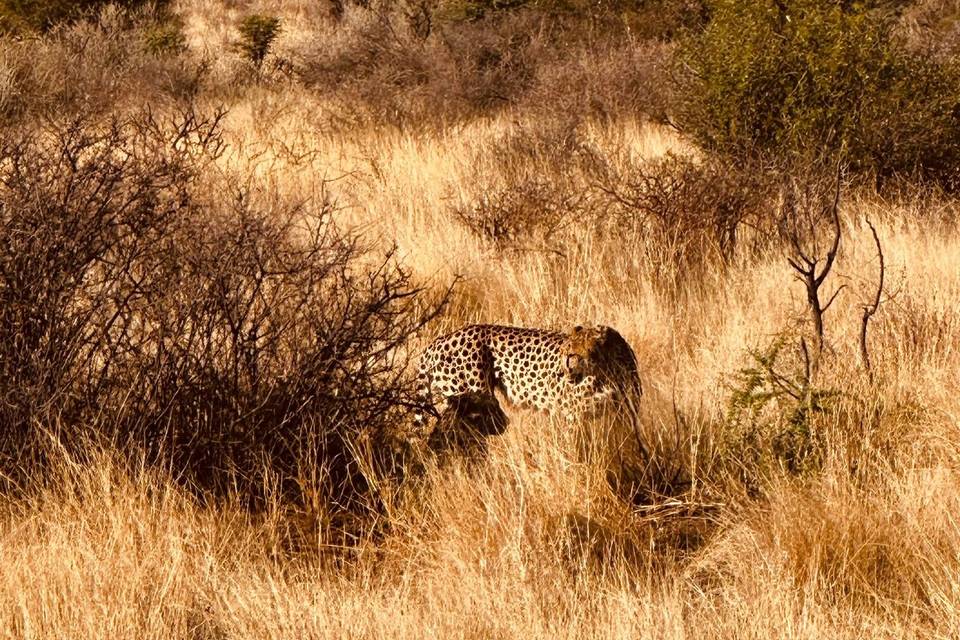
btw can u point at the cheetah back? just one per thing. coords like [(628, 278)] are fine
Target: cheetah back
[(529, 366), (524, 364)]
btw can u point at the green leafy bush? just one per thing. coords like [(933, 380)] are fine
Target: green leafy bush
[(817, 79), (257, 33)]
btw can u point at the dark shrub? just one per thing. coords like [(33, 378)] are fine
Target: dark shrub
[(80, 206), (226, 333), (476, 9), (811, 78), (379, 65), (610, 79), (660, 17), (40, 15), (384, 65)]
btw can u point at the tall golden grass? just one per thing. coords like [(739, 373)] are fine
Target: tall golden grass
[(532, 542)]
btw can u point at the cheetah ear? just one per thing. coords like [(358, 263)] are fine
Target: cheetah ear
[(605, 331), (577, 329)]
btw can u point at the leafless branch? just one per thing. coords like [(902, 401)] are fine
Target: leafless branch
[(870, 308)]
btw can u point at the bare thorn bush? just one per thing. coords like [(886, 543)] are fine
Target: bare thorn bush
[(687, 215), (525, 200), (236, 343)]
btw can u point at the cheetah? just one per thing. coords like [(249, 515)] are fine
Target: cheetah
[(569, 374)]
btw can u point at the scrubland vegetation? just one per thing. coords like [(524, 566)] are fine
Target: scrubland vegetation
[(227, 229)]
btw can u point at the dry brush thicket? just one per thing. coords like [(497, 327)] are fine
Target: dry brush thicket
[(217, 266)]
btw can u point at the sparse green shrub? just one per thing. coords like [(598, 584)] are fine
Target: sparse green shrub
[(165, 38), (772, 415), (257, 33), (817, 79)]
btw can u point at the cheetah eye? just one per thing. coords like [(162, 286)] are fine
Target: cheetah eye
[(574, 365)]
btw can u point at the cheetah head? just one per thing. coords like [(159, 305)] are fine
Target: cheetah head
[(602, 352)]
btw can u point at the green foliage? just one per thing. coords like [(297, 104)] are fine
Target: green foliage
[(24, 15), (165, 38), (771, 414), (257, 33), (21, 16), (816, 79)]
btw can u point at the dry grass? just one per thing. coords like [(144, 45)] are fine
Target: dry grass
[(532, 542)]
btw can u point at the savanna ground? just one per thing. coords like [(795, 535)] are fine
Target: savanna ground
[(541, 177)]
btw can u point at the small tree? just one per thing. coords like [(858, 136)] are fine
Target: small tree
[(771, 412), (775, 399), (257, 33), (809, 222)]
